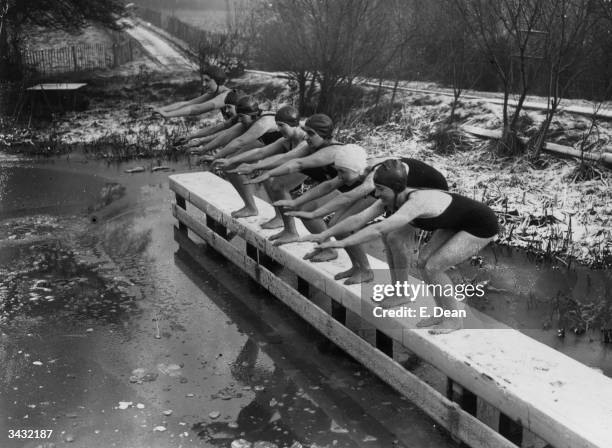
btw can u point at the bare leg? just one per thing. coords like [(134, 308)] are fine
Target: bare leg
[(275, 194), (360, 271), (246, 193), (438, 239), (397, 244), (278, 189), (396, 247), (457, 248), (317, 226)]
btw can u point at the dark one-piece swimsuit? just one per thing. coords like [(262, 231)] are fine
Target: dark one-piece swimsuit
[(422, 175), (271, 136), (464, 214), (322, 173)]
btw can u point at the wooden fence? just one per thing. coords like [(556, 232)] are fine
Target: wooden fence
[(78, 58), (191, 35)]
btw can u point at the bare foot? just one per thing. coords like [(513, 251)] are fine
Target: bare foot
[(448, 326), (274, 223), (360, 276), (394, 301), (345, 274), (319, 256), (429, 321), (284, 237), (244, 212)]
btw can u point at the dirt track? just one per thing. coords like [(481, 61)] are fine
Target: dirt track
[(159, 49)]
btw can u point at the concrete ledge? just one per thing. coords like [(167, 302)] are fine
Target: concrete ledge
[(562, 401)]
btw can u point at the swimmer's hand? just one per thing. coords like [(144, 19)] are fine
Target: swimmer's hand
[(300, 214), (314, 237), (259, 179), (330, 245), (221, 163), (285, 203), (205, 159), (243, 168)]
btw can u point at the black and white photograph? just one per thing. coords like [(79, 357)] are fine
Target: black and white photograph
[(305, 224)]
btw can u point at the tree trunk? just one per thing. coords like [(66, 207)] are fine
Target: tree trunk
[(536, 144), (325, 101), (4, 51), (311, 88), (301, 80), (394, 90), (378, 92), (510, 144)]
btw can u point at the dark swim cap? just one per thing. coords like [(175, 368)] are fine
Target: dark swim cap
[(288, 115), (321, 124), (392, 173), (233, 96), (216, 73), (247, 105)]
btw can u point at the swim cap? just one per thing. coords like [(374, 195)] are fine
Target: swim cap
[(288, 115), (392, 173), (352, 157), (233, 96), (321, 124), (247, 105), (216, 73)]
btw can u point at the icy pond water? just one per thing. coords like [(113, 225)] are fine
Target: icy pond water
[(112, 336)]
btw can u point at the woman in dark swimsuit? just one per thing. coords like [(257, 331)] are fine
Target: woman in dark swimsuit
[(461, 228), (196, 141), (291, 135), (352, 167), (213, 79), (258, 128), (359, 196), (315, 159)]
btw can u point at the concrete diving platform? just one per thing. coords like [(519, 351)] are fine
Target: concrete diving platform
[(504, 389)]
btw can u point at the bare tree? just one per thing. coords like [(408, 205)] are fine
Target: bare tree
[(283, 47), (504, 30), (567, 26), (605, 7), (336, 39), (448, 53), (407, 28)]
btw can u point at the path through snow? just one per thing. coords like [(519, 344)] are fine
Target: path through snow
[(158, 48)]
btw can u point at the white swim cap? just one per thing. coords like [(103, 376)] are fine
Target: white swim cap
[(352, 157)]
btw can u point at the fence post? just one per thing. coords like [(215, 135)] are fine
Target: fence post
[(74, 59)]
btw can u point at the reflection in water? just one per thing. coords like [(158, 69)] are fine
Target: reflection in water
[(280, 412)]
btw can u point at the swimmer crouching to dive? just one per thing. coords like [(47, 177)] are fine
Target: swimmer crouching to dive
[(359, 199), (213, 81), (461, 228)]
